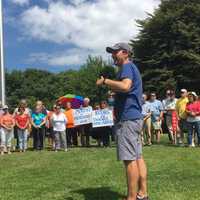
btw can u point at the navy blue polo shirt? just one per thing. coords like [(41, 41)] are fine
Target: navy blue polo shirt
[(128, 106)]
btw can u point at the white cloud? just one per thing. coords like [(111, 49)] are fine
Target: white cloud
[(21, 2), (89, 26), (69, 57)]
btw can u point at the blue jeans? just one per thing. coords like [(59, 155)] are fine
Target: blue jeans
[(23, 138), (193, 126)]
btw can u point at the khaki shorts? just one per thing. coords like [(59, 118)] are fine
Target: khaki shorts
[(157, 125)]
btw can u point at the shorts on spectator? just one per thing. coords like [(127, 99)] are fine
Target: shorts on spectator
[(157, 125)]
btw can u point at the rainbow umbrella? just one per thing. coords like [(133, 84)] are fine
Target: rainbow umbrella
[(75, 100)]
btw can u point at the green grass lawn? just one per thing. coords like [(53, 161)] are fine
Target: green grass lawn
[(94, 174)]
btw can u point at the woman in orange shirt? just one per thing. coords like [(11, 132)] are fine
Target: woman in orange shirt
[(7, 122), (71, 131)]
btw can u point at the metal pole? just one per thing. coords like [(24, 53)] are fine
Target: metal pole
[(2, 71)]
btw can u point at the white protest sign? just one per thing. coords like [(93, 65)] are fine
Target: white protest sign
[(101, 118), (82, 116)]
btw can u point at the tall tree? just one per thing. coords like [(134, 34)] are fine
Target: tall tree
[(93, 69), (167, 48)]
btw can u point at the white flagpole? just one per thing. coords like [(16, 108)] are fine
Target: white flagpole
[(2, 71)]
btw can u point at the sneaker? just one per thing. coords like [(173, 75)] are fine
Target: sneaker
[(9, 152), (65, 150), (2, 152), (142, 198)]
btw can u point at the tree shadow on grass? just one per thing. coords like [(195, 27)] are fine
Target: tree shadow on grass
[(103, 193)]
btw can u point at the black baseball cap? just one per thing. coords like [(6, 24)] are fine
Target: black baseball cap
[(119, 46)]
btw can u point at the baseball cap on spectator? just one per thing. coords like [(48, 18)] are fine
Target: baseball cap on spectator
[(183, 90), (153, 94), (192, 93), (5, 107), (119, 46)]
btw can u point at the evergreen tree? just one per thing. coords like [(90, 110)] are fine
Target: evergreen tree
[(167, 48)]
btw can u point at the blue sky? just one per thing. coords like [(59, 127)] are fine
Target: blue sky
[(57, 35)]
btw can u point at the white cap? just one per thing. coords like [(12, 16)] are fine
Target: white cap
[(193, 93), (5, 107), (183, 90)]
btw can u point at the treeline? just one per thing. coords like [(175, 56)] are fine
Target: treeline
[(35, 84), (167, 51)]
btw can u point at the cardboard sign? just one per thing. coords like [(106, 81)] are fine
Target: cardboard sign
[(82, 116), (102, 118)]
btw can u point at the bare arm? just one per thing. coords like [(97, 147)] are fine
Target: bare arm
[(161, 115), (118, 86), (17, 124), (27, 123), (32, 122), (147, 117), (13, 123), (43, 122), (4, 125)]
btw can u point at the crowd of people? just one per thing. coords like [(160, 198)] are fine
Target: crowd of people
[(175, 116), (179, 116), (57, 125)]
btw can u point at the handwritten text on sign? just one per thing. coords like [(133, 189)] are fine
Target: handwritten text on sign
[(83, 116), (101, 118)]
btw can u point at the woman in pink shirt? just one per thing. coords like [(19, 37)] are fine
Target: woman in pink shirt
[(193, 117)]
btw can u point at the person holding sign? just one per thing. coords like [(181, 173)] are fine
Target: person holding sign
[(86, 128), (128, 113), (105, 131)]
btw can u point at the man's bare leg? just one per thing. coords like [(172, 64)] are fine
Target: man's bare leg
[(132, 174), (142, 190)]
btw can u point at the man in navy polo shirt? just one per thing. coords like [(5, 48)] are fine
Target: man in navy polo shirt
[(129, 122)]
